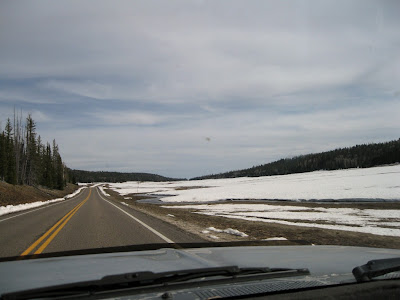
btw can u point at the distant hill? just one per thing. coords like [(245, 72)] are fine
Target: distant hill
[(101, 176), (359, 156)]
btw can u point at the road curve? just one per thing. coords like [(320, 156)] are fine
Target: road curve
[(86, 221)]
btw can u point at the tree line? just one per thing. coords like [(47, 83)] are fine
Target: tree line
[(359, 156), (101, 176), (25, 159)]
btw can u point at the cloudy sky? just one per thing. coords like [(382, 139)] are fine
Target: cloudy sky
[(188, 88)]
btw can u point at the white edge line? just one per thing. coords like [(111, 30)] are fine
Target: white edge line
[(41, 207), (140, 222)]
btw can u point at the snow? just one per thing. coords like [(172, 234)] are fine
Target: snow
[(72, 195), (379, 183), (372, 184), (228, 231), (278, 238), (15, 208), (101, 188), (375, 221)]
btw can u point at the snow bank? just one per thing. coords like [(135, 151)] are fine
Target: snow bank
[(379, 183), (102, 190), (278, 238), (14, 208), (228, 231), (73, 194)]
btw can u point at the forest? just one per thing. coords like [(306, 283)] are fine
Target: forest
[(359, 156), (25, 159), (101, 176)]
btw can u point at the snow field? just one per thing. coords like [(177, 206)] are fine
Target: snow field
[(372, 184), (379, 183)]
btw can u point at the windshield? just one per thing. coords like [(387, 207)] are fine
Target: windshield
[(151, 123)]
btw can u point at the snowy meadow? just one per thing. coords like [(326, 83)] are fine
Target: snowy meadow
[(372, 184), (209, 197)]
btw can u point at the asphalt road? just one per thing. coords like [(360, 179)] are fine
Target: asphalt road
[(86, 221)]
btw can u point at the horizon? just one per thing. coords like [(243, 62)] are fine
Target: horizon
[(187, 89), (262, 164)]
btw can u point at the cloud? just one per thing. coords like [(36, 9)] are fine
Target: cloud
[(128, 118), (262, 79), (181, 150), (86, 88), (212, 52)]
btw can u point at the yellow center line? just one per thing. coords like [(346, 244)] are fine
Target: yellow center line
[(63, 221)]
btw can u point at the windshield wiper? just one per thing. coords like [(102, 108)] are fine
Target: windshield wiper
[(375, 268), (143, 279)]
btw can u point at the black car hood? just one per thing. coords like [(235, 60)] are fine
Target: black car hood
[(322, 261)]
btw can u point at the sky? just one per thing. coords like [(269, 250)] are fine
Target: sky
[(190, 88)]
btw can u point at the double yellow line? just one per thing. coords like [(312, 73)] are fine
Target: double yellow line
[(53, 230)]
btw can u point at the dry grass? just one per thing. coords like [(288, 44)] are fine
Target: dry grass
[(19, 194)]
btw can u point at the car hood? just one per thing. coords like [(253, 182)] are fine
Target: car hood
[(322, 261)]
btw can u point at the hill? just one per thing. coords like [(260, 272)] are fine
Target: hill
[(20, 194), (102, 176), (359, 156)]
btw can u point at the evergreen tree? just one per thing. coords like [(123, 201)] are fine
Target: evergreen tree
[(10, 174), (25, 160), (3, 164), (57, 167), (47, 177), (31, 154)]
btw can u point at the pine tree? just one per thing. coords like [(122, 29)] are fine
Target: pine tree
[(47, 176), (40, 151), (25, 160), (3, 165), (18, 145), (57, 167), (10, 175), (31, 154)]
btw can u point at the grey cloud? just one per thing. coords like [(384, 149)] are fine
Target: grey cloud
[(201, 53), (259, 77)]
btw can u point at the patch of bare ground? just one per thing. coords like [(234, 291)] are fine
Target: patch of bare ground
[(135, 197), (181, 188), (358, 205), (196, 223), (321, 222), (20, 194)]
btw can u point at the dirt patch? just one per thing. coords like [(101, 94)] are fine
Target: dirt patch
[(20, 194), (182, 188), (135, 197), (358, 205), (197, 223), (320, 222)]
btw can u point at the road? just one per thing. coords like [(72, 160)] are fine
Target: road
[(86, 221)]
